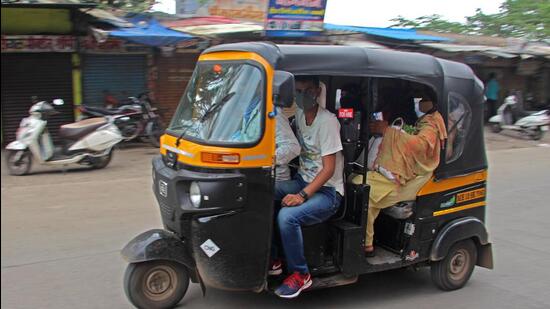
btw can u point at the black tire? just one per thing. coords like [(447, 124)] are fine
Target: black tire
[(495, 127), (102, 162), (19, 162), (455, 269), (155, 130), (155, 284), (537, 134)]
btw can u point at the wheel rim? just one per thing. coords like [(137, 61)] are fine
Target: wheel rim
[(160, 283), (458, 266), (19, 166)]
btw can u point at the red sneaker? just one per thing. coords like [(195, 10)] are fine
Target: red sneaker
[(293, 285)]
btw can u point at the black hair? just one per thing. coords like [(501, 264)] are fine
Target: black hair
[(308, 78), (492, 75)]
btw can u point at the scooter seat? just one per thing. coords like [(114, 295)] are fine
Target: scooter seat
[(103, 111), (76, 130)]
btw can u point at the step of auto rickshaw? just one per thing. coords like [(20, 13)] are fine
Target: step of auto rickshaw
[(319, 282), (384, 256)]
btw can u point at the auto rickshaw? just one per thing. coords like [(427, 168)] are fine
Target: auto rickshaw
[(214, 177)]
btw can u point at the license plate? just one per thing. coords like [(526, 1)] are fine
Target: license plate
[(545, 128)]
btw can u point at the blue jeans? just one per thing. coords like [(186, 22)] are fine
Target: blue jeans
[(318, 208)]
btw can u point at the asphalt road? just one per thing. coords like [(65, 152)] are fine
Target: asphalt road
[(62, 232)]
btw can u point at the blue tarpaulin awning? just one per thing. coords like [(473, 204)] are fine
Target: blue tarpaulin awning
[(149, 32), (392, 33)]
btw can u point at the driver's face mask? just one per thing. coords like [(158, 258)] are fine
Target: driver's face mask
[(305, 101)]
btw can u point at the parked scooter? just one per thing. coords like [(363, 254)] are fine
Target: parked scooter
[(511, 116), (88, 142), (135, 119)]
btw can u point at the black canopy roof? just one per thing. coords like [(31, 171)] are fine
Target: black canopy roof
[(352, 61)]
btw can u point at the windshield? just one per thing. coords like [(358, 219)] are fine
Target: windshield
[(223, 103)]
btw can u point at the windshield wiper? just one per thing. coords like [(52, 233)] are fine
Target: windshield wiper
[(178, 140), (216, 106), (210, 111)]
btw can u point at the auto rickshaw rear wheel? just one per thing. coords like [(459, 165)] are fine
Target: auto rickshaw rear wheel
[(455, 269), (155, 284)]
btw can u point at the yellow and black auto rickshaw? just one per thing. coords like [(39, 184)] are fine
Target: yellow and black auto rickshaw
[(214, 177)]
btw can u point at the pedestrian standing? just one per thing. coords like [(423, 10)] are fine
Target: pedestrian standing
[(491, 92)]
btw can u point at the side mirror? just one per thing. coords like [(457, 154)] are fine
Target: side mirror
[(283, 89), (58, 102)]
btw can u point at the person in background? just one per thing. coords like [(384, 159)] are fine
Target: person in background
[(287, 146), (491, 92)]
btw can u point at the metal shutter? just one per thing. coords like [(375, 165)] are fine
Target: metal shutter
[(45, 75), (121, 75), (173, 75)]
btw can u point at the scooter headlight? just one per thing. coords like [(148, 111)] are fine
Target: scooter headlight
[(195, 194)]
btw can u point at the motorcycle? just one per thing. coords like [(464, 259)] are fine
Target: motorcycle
[(87, 142), (135, 119), (511, 116)]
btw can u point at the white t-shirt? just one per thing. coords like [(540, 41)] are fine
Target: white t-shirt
[(287, 146), (320, 139)]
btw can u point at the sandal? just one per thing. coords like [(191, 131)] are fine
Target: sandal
[(369, 253)]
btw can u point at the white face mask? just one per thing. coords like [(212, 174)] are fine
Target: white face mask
[(417, 107)]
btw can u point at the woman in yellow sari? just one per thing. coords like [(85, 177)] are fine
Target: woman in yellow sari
[(411, 159)]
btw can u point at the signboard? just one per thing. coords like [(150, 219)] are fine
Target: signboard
[(38, 43), (244, 10), (89, 44), (295, 18), (345, 113)]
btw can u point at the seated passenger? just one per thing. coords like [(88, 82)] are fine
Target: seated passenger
[(411, 158), (287, 146), (314, 195)]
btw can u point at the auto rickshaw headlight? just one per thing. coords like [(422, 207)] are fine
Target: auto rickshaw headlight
[(195, 194)]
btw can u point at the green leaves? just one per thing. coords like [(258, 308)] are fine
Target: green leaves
[(528, 19)]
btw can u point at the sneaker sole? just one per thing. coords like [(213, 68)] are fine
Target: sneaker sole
[(275, 272), (306, 286)]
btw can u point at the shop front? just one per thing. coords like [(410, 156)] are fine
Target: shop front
[(36, 67)]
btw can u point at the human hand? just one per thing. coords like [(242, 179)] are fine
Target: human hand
[(378, 126), (291, 200)]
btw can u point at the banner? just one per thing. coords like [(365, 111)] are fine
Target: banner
[(38, 43), (295, 18), (89, 44), (244, 10)]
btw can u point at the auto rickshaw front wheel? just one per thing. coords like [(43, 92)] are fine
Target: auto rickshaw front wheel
[(455, 269), (155, 284)]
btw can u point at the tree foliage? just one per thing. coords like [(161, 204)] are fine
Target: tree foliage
[(131, 6), (516, 18)]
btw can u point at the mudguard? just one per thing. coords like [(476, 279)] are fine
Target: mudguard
[(157, 245), (461, 229), (495, 119), (16, 145)]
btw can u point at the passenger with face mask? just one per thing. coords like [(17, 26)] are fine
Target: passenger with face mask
[(411, 158), (314, 195)]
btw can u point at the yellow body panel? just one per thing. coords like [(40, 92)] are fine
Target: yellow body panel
[(450, 183), (261, 155)]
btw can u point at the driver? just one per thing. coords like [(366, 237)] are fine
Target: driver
[(314, 195)]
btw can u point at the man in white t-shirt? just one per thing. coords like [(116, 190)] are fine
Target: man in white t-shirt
[(314, 195)]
